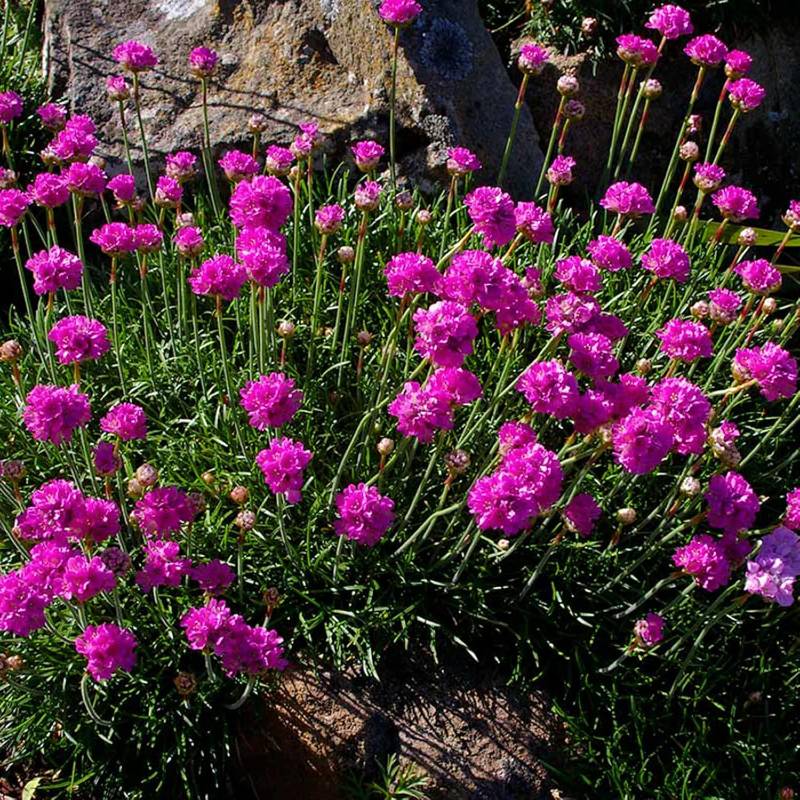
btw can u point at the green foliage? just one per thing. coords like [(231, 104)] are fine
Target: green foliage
[(395, 780)]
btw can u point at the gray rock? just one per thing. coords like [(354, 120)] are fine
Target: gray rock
[(295, 60)]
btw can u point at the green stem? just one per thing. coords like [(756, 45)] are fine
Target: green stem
[(513, 132)]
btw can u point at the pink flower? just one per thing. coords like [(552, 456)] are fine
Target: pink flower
[(791, 519), (126, 421), (52, 116), (445, 333), (78, 339), (534, 223), (107, 648), (169, 192), (82, 578), (238, 165), (772, 573), (279, 160), (723, 306), (48, 190), (581, 513), (189, 241), (420, 412), (148, 238), (205, 626), (364, 514), (85, 180), (203, 62), (549, 388), (560, 172), (706, 51), (220, 276), (329, 219), (367, 195), (461, 161), (759, 276), (459, 386), (262, 202), (55, 513), (117, 88), (105, 459), (746, 95), (77, 141), (213, 577), (685, 408), (100, 520), (650, 630), (270, 401), (532, 59), (773, 369), (411, 274), (492, 213), (704, 559), (114, 239), (736, 204), (52, 413), (54, 269), (593, 355), (667, 259), (22, 605), (641, 439), (737, 64), (162, 511), (627, 199), (399, 12), (570, 312), (10, 107), (123, 187), (181, 166), (513, 434), (708, 177), (609, 253), (732, 503), (282, 464), (163, 566), (578, 275), (791, 218), (636, 51), (13, 205), (685, 340), (135, 56), (263, 255), (670, 21), (367, 154)]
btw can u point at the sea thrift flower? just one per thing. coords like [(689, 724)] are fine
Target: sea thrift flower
[(732, 503), (723, 306), (55, 513), (263, 255), (534, 223), (461, 162), (593, 355), (52, 116), (560, 171), (54, 269), (189, 241), (48, 190), (737, 64), (220, 276), (105, 459), (771, 367), (279, 160), (459, 386), (329, 219), (364, 514), (79, 339), (148, 238), (10, 107), (513, 434), (791, 519), (85, 180), (114, 239), (773, 571), (367, 195), (636, 51), (578, 274), (22, 605), (627, 199), (708, 177), (670, 21), (667, 259), (570, 312), (411, 274), (549, 388), (492, 213), (608, 253), (123, 187), (213, 577), (117, 88), (205, 626), (706, 51), (704, 559), (238, 165), (685, 408), (163, 566), (685, 340), (649, 631), (532, 59), (107, 648), (367, 154), (82, 578), (445, 333), (262, 202), (77, 141), (13, 205), (581, 513), (270, 401), (282, 464), (168, 192), (746, 95), (52, 413), (736, 204), (203, 62), (249, 650), (421, 412), (641, 439), (759, 276), (399, 12), (162, 511), (181, 166), (135, 56), (126, 421)]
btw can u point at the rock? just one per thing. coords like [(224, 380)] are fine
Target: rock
[(292, 61), (473, 738)]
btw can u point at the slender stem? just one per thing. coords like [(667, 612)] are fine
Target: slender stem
[(513, 132), (208, 161), (392, 111), (727, 136), (145, 153), (551, 145), (717, 114)]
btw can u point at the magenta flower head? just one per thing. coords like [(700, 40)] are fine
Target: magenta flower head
[(771, 367), (126, 421), (367, 195), (723, 306), (163, 565), (10, 107), (578, 275), (181, 166), (107, 648), (162, 511), (169, 192), (48, 190), (732, 503), (791, 519), (82, 578), (263, 255), (759, 276), (667, 259), (705, 560), (706, 51), (123, 187), (445, 333), (513, 434), (581, 513), (135, 56), (628, 199), (461, 162), (685, 408), (79, 339), (492, 213), (105, 459), (772, 573), (459, 386), (549, 388), (791, 218), (203, 62), (13, 205), (685, 340), (77, 141), (85, 179), (670, 21), (608, 253), (238, 165), (593, 355), (270, 401), (570, 312), (746, 95), (329, 219), (114, 239), (399, 12), (420, 411), (282, 464), (636, 51), (279, 160), (708, 177), (149, 238), (411, 274), (641, 440), (737, 64), (52, 413), (649, 631), (22, 604), (54, 269), (367, 154), (364, 514), (213, 577), (532, 59), (219, 276), (736, 204), (534, 223), (117, 88), (189, 241), (262, 202), (560, 172), (52, 116)]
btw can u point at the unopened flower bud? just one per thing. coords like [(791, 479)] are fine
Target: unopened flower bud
[(690, 487), (700, 309), (13, 470), (747, 237), (185, 683), (117, 560), (626, 516), (10, 351), (644, 366), (196, 502), (778, 325), (680, 214), (245, 520), (589, 26), (503, 544), (98, 161), (652, 89), (239, 495), (294, 172), (346, 255), (404, 200), (568, 85), (605, 434), (689, 151), (385, 446), (769, 305), (8, 178), (15, 663), (363, 338), (457, 462), (574, 109), (424, 216), (695, 124), (208, 478), (147, 475), (272, 599), (786, 793), (135, 489), (257, 123), (185, 219)]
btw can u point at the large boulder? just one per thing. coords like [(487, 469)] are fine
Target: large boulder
[(295, 60)]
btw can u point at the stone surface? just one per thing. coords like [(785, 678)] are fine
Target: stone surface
[(472, 737), (294, 60)]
